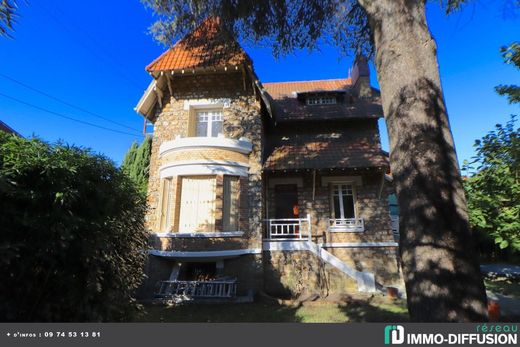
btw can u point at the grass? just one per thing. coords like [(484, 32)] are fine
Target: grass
[(375, 309), (369, 309)]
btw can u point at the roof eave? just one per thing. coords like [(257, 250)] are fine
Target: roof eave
[(147, 102)]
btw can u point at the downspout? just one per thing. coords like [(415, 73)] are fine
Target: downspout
[(382, 184), (313, 184)]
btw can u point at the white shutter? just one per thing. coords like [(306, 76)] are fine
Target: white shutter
[(230, 205), (197, 204)]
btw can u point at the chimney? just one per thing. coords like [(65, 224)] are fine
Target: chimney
[(361, 77)]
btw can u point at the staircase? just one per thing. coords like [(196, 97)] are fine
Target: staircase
[(365, 280)]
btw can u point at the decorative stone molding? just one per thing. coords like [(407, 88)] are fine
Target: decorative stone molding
[(242, 145), (206, 103), (203, 167), (208, 254)]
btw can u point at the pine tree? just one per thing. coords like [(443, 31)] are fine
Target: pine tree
[(129, 158), (136, 163), (141, 168)]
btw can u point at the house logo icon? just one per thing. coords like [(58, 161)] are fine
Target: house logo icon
[(394, 334)]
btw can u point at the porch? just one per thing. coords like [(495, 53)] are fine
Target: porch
[(328, 206), (300, 229)]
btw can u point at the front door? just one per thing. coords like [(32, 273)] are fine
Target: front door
[(286, 201)]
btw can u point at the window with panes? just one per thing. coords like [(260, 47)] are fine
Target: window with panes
[(343, 201), (209, 123)]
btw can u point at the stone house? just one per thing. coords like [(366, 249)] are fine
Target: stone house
[(274, 187)]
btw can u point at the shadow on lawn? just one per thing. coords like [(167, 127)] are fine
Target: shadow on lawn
[(376, 309)]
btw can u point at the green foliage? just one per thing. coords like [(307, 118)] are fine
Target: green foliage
[(8, 9), (511, 55), (281, 25), (72, 234), (493, 187), (136, 163)]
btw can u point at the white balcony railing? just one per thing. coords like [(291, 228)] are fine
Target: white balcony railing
[(198, 289), (289, 228), (347, 224)]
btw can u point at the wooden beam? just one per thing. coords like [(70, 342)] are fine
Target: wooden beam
[(244, 78), (169, 85), (160, 94)]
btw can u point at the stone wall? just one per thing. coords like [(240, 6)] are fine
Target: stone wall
[(381, 261), (248, 270), (290, 274), (241, 118), (369, 205)]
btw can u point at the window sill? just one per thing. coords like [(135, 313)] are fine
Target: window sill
[(202, 235), (346, 230)]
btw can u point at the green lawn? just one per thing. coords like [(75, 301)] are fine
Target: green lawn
[(376, 309), (369, 309)]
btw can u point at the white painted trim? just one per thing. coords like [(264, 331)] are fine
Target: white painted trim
[(365, 280), (206, 103), (203, 167), (358, 244), (243, 145), (356, 180), (345, 230), (147, 101), (286, 180), (202, 234), (205, 254)]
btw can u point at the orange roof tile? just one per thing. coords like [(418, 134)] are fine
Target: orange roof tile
[(207, 46), (279, 90)]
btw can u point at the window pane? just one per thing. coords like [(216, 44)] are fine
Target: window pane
[(202, 128), (337, 211), (348, 206), (216, 128)]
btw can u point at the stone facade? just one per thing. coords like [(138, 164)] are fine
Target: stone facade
[(245, 119), (290, 274), (314, 199)]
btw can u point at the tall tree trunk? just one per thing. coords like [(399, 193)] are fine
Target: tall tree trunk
[(440, 265)]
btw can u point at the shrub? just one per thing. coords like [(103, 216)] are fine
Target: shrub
[(72, 234)]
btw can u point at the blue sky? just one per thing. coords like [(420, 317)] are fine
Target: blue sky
[(92, 54)]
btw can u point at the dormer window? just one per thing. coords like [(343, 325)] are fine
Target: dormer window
[(321, 100), (209, 123)]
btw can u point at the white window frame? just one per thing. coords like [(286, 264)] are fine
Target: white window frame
[(340, 198), (210, 114), (351, 224)]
